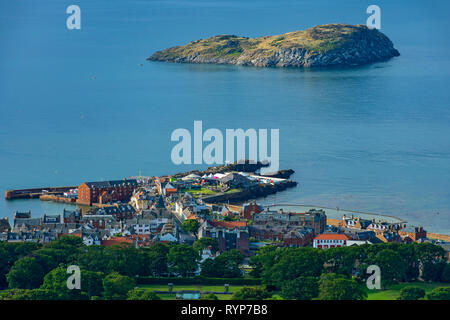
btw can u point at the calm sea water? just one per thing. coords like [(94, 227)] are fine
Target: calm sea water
[(77, 105)]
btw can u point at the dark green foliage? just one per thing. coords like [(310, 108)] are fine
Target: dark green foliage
[(337, 287), (26, 273), (392, 267), (209, 296), (411, 293), (200, 280), (248, 293), (141, 294), (190, 225), (56, 282), (182, 259), (445, 276), (433, 270), (27, 294), (302, 288), (92, 283), (291, 263), (10, 253), (205, 242), (226, 265), (442, 293), (117, 286)]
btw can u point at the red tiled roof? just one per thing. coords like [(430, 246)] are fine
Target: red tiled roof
[(230, 224), (116, 240), (70, 234), (331, 236)]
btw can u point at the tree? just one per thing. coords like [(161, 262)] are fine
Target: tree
[(249, 293), (445, 276), (117, 286), (337, 287), (190, 225), (302, 288), (26, 273), (27, 294), (263, 260), (157, 259), (206, 242), (182, 259), (433, 270), (126, 260), (141, 294), (56, 282), (10, 253), (94, 258), (225, 265), (92, 283), (292, 263), (392, 268), (442, 293), (411, 293), (209, 296)]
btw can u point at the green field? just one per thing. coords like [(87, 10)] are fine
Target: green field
[(393, 292), (389, 294), (199, 192), (159, 287)]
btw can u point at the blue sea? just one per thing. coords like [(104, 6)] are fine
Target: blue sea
[(85, 105)]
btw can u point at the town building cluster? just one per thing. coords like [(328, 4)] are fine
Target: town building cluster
[(142, 211)]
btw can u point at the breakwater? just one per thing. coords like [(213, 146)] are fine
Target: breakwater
[(56, 198), (259, 191), (35, 192)]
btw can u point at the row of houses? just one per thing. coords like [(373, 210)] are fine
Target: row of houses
[(385, 231)]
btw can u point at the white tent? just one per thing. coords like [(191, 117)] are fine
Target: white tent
[(191, 176)]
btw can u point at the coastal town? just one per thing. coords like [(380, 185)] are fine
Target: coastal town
[(141, 211), (205, 235)]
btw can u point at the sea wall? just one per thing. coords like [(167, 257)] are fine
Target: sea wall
[(259, 191)]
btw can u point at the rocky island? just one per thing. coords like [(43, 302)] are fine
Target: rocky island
[(320, 46)]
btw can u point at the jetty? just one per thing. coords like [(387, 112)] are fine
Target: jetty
[(36, 192)]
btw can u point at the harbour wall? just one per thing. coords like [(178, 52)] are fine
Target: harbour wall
[(35, 192)]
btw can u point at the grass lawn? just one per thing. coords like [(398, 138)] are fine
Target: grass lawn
[(233, 190), (393, 292), (198, 192), (159, 287)]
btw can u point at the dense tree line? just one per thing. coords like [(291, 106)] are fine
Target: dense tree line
[(35, 271), (340, 273)]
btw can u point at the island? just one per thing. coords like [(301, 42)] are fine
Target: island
[(321, 46)]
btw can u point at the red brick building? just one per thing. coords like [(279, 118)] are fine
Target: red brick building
[(414, 233), (118, 190), (248, 210), (230, 234)]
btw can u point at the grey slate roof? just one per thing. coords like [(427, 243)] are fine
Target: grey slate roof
[(112, 183)]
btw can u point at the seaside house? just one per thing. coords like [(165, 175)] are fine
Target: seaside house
[(330, 240)]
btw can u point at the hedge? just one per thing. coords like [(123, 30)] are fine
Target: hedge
[(199, 280)]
